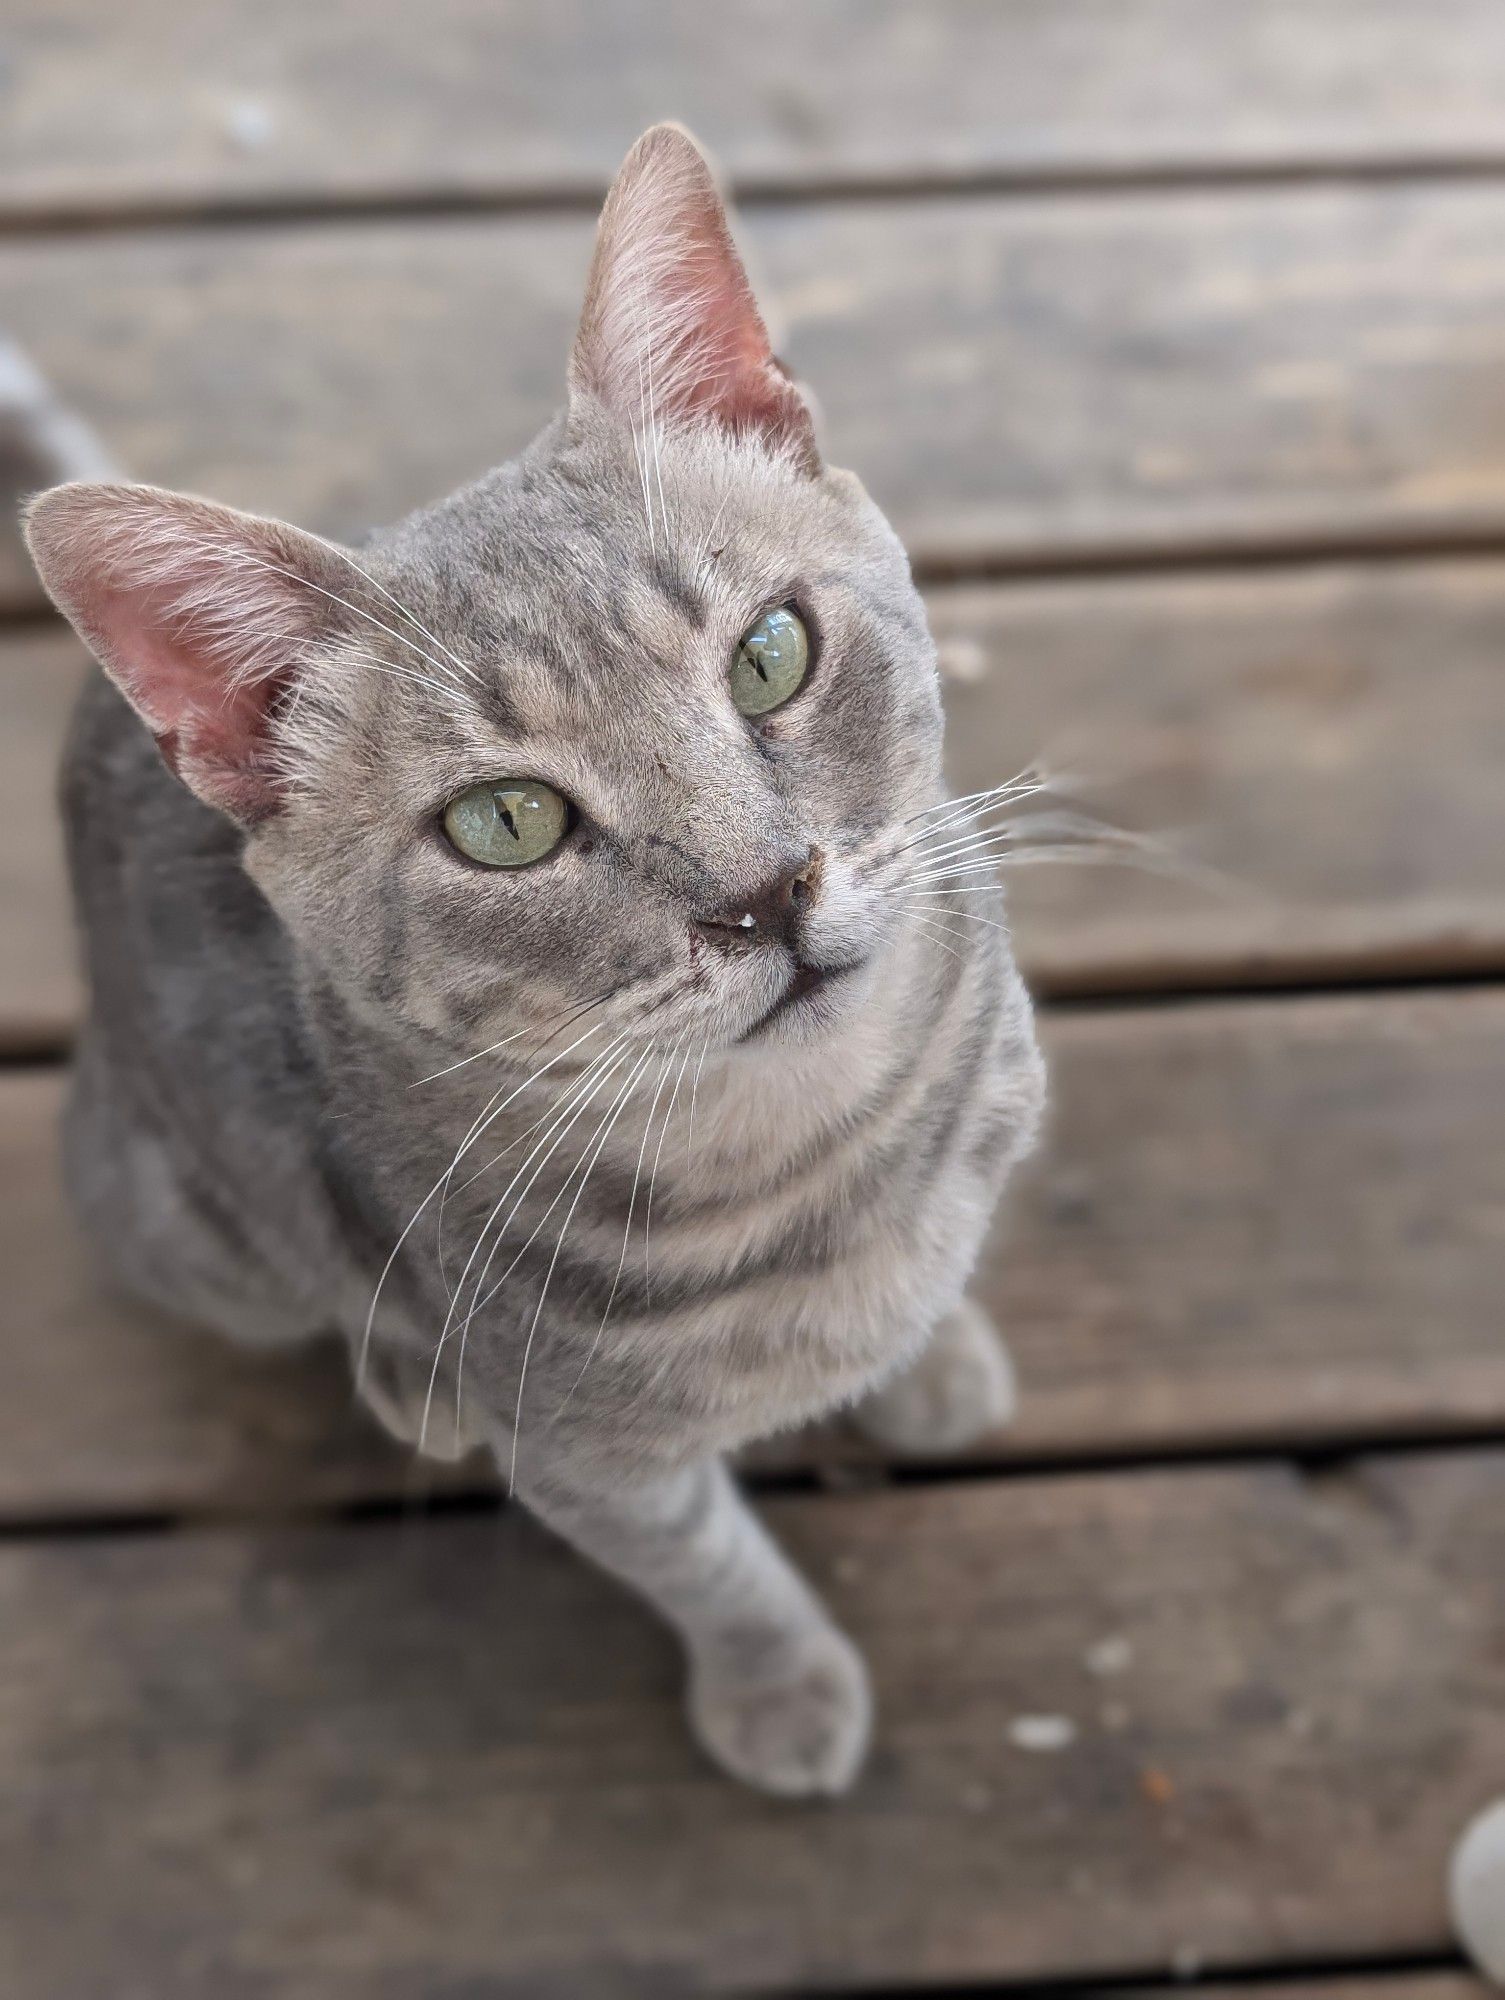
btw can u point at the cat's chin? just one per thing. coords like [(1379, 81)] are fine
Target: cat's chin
[(816, 1000)]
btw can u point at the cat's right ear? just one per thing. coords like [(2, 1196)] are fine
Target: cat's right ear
[(671, 334), (202, 617)]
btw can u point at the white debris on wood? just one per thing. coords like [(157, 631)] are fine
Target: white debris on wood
[(249, 124), (1477, 1890), (1042, 1733), (1187, 1962), (1113, 1655)]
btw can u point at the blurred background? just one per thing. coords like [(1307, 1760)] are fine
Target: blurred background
[(1171, 333)]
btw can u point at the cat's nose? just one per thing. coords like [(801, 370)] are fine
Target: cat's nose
[(771, 916)]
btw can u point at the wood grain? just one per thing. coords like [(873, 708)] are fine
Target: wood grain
[(266, 101), (40, 672), (1020, 382), (1328, 740), (425, 1759), (1251, 1225)]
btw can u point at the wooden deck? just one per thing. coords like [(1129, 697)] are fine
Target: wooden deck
[(1172, 334)]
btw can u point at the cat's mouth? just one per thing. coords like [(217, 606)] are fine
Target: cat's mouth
[(808, 985)]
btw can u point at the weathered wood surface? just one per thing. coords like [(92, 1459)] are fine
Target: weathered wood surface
[(284, 103), (1330, 741), (1018, 381), (39, 994), (418, 1759), (1253, 1224)]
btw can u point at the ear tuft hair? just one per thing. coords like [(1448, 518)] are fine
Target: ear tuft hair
[(671, 333), (201, 616)]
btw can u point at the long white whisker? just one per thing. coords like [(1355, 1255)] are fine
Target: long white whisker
[(445, 689), (398, 605), (507, 1041), (1031, 775), (242, 556), (645, 420), (930, 896), (935, 939), (1018, 836), (704, 552), (577, 1098), (632, 1202), (603, 1133), (1010, 794), (705, 1049), (478, 1303), (657, 1156), (1009, 829), (480, 1125)]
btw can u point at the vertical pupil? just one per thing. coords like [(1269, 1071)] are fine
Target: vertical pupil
[(505, 813)]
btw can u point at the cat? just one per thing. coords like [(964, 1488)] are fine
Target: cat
[(539, 945)]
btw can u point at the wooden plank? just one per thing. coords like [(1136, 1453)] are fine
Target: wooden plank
[(1020, 382), (1378, 1985), (1331, 740), (1252, 1224), (264, 101), (40, 672), (426, 1759), (1327, 741)]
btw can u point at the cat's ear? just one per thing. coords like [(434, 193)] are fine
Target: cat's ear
[(202, 617), (671, 333)]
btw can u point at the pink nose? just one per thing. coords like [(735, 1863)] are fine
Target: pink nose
[(772, 914)]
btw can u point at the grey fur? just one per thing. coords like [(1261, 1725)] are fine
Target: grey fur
[(248, 1136)]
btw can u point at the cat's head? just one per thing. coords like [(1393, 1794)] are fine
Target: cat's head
[(634, 722)]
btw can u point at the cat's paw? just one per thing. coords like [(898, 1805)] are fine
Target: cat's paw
[(797, 1726), (961, 1388)]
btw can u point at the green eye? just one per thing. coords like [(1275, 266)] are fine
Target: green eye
[(507, 823), (770, 663)]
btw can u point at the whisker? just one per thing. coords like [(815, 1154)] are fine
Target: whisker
[(398, 605), (603, 1133), (657, 1156), (243, 556), (480, 1125), (507, 1040), (971, 916), (1013, 793), (445, 689), (704, 554), (577, 1101), (1008, 829), (478, 1303), (705, 1049), (632, 1200), (934, 939), (1031, 774)]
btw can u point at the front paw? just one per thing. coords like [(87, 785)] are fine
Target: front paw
[(794, 1722), (960, 1389)]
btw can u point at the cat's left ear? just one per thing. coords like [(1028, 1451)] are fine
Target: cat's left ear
[(671, 333), (203, 617)]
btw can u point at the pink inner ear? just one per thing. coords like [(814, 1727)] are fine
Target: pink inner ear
[(210, 726), (737, 382), (671, 331)]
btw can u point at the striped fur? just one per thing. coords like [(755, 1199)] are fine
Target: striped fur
[(521, 1136)]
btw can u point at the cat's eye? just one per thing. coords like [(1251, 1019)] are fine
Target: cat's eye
[(507, 822), (771, 662)]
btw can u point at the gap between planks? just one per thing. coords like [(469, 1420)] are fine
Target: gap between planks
[(234, 210)]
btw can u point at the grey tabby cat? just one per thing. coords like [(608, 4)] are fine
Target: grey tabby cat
[(553, 891)]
